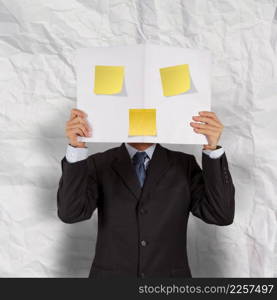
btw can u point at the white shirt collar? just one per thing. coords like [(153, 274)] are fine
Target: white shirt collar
[(132, 151)]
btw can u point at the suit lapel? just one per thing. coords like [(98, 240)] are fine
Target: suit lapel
[(158, 166), (122, 165)]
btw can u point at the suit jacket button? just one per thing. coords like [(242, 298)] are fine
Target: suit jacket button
[(143, 243), (142, 275)]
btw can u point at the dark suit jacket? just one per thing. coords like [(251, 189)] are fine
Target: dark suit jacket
[(142, 232)]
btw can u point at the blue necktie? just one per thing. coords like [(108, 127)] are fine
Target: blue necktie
[(138, 161)]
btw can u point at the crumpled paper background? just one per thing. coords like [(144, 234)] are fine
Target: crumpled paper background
[(38, 89)]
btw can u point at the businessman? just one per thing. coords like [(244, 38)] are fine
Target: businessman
[(144, 194)]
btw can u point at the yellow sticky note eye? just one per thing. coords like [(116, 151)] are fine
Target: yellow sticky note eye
[(142, 122), (175, 80), (108, 79)]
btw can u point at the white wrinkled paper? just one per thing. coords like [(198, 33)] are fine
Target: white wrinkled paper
[(38, 89)]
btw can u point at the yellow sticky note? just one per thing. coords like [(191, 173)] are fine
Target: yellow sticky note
[(175, 80), (142, 122), (108, 79)]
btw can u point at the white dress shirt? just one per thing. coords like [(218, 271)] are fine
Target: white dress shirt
[(74, 154), (149, 151)]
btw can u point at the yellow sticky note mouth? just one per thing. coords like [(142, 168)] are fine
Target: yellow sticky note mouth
[(142, 122), (175, 80), (108, 79)]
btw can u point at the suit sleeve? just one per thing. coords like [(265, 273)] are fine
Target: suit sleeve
[(78, 190), (212, 191)]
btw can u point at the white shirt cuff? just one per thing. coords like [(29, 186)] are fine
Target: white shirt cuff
[(74, 154), (214, 154)]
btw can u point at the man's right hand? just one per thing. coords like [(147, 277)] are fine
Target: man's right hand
[(77, 126)]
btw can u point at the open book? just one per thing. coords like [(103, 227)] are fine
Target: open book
[(143, 93)]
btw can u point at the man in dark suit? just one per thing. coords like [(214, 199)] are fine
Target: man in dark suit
[(144, 194)]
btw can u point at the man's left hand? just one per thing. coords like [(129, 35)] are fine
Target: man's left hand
[(210, 126)]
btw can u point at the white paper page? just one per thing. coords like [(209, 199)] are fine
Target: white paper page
[(108, 115), (174, 113)]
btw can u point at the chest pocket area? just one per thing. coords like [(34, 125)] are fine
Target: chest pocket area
[(174, 180)]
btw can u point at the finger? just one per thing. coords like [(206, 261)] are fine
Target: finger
[(77, 112), (207, 120), (78, 126), (76, 131), (209, 114), (204, 126), (79, 120), (205, 131)]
